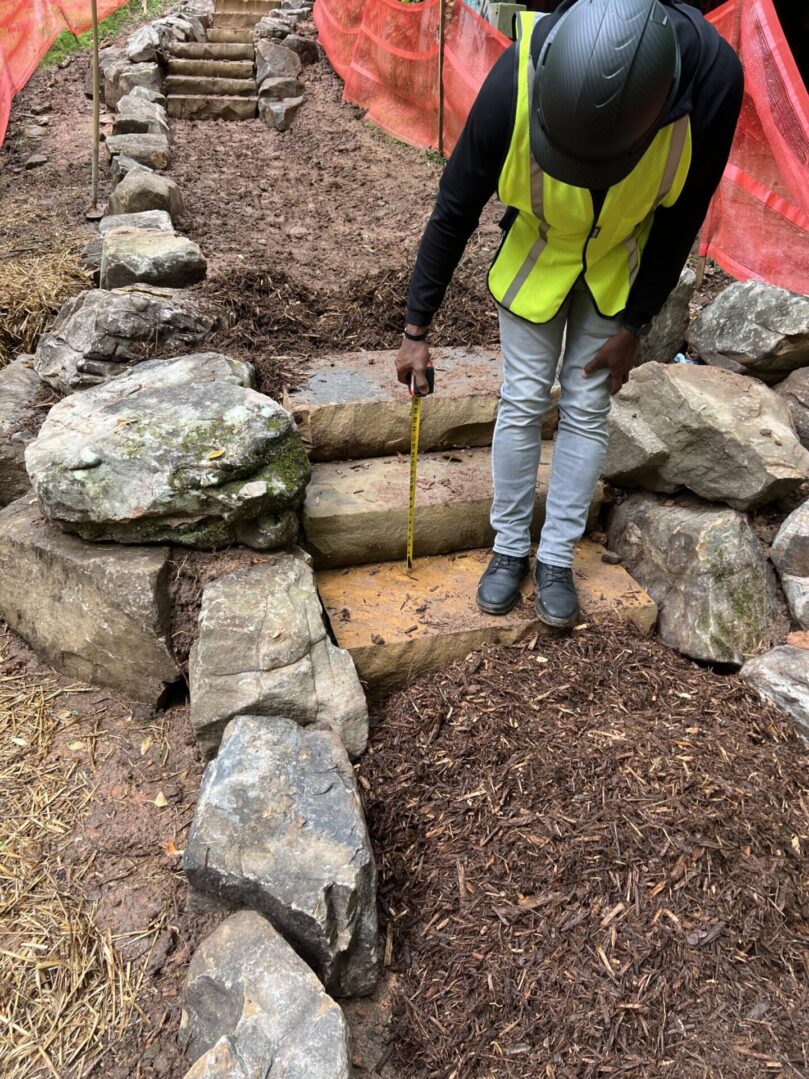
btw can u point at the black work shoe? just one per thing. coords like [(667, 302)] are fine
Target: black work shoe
[(556, 602), (499, 587)]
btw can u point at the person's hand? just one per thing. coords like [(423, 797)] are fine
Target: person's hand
[(414, 357), (618, 354)]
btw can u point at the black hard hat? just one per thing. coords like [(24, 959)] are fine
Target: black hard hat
[(607, 75)]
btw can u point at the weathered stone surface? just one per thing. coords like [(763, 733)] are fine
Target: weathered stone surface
[(705, 570), (98, 613), (303, 46), (755, 329), (273, 27), (98, 334), (795, 391), (279, 829), (150, 150), (136, 116), (782, 676), (212, 107), (220, 1062), (351, 406), (35, 161), (790, 554), (19, 422), (263, 649), (175, 450), (249, 994), (146, 93), (396, 632), (279, 89), (121, 166), (145, 219), (275, 61), (722, 436), (143, 45), (667, 331), (107, 56), (132, 256), (140, 191), (121, 77), (279, 114), (356, 511)]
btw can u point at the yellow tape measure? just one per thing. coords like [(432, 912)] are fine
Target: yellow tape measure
[(415, 425)]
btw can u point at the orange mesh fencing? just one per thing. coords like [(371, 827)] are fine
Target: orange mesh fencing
[(28, 29), (386, 53), (758, 223)]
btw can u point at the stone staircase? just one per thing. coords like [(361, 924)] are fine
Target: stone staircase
[(215, 79), (397, 623)]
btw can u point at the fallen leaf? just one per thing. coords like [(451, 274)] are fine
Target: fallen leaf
[(212, 456), (277, 634), (125, 421), (146, 745), (19, 741), (160, 800), (171, 849), (77, 747)]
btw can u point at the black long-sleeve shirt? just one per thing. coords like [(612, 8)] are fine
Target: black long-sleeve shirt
[(710, 92)]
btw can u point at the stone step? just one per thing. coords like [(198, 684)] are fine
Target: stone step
[(211, 107), (236, 20), (351, 405), (184, 85), (248, 7), (399, 624), (357, 513), (218, 69), (230, 36), (213, 50)]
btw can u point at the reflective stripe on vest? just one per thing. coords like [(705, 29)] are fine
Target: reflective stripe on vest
[(554, 235)]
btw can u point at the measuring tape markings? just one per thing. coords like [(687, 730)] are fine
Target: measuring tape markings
[(415, 423)]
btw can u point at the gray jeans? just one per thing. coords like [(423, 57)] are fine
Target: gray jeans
[(531, 355)]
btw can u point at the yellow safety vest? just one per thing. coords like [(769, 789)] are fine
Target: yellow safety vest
[(554, 235)]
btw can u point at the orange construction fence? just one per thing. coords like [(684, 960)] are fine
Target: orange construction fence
[(386, 52), (28, 29)]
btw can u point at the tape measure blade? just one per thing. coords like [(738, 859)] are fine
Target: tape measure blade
[(415, 420)]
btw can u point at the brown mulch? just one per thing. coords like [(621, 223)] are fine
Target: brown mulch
[(592, 862)]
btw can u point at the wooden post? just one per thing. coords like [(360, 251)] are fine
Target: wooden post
[(96, 105), (441, 34)]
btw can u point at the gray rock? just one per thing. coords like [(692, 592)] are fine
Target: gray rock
[(247, 993), (99, 614), (107, 56), (279, 829), (179, 450), (146, 93), (279, 114), (263, 649), (278, 89), (754, 329), (185, 25), (305, 47), (272, 27), (703, 567), (790, 554), (725, 437), (121, 77), (795, 391), (20, 420), (98, 334), (158, 220), (220, 1062), (121, 166), (35, 161), (91, 259), (140, 191), (151, 150), (146, 256), (782, 676), (667, 331), (143, 45), (138, 117), (275, 61)]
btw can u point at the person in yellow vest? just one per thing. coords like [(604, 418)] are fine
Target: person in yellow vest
[(604, 131)]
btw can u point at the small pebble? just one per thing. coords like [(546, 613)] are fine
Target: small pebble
[(35, 160), (611, 558)]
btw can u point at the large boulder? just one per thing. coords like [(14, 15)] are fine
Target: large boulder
[(278, 114), (121, 77), (263, 649), (795, 391), (139, 191), (149, 256), (147, 149), (667, 330), (98, 613), (178, 450), (20, 419), (98, 335), (275, 61), (782, 676), (144, 219), (703, 566), (143, 45), (725, 437), (136, 116), (250, 1001), (790, 553), (755, 329), (279, 829)]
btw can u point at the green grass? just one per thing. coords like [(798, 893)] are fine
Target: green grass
[(67, 44)]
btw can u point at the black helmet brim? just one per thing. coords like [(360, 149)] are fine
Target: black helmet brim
[(577, 171)]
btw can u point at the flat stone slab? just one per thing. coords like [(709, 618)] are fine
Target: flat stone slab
[(212, 107), (279, 829), (249, 994), (357, 512), (262, 649), (157, 220), (151, 257), (351, 405), (20, 419), (147, 149), (399, 624), (99, 614)]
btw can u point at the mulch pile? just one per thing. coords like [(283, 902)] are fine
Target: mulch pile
[(591, 858), (277, 322)]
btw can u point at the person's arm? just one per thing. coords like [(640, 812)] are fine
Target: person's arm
[(468, 182), (715, 111)]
